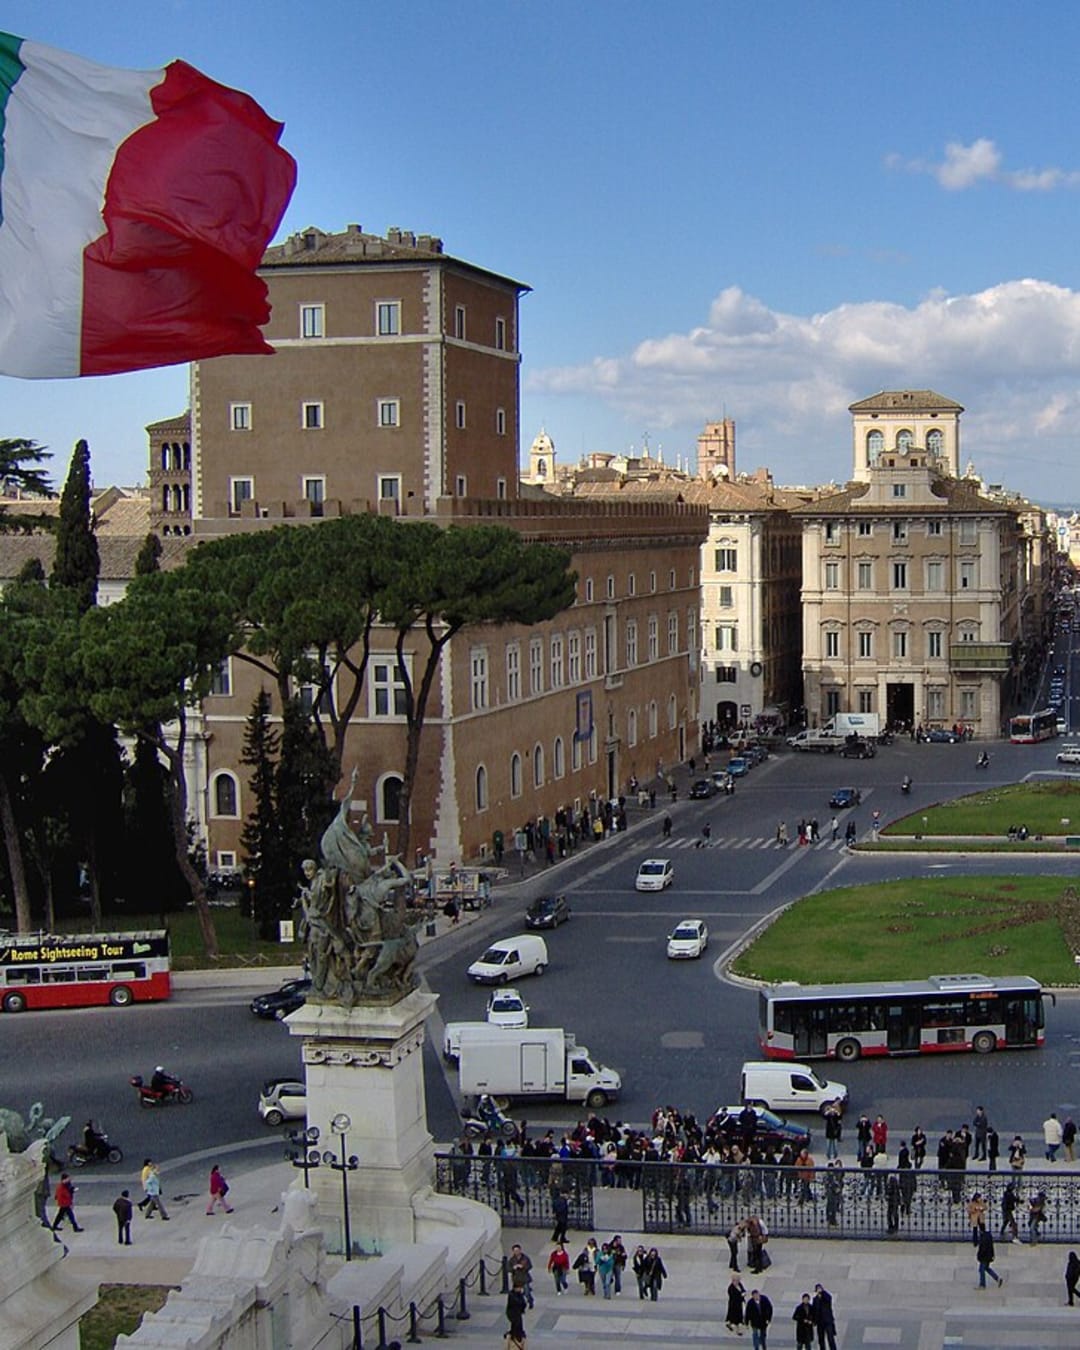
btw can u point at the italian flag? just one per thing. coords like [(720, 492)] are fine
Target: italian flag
[(135, 207)]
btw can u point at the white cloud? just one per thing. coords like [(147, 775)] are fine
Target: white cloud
[(965, 166), (1010, 354)]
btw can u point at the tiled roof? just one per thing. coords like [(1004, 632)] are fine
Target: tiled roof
[(917, 400), (182, 421), (953, 495), (117, 553)]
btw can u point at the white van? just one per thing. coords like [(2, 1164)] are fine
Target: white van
[(790, 1087), (504, 961)]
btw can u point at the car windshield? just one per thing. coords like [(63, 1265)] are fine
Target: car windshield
[(686, 932), (651, 869), (494, 956), (543, 906), (505, 1004)]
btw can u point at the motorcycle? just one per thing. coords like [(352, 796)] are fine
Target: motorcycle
[(905, 786), (171, 1092), (475, 1126), (78, 1155), (983, 762)]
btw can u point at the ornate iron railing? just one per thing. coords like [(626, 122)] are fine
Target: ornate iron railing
[(926, 1205)]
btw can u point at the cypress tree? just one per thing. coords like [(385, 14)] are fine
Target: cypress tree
[(78, 562)]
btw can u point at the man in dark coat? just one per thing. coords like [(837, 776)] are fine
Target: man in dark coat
[(758, 1316), (560, 1209), (985, 1257), (824, 1318)]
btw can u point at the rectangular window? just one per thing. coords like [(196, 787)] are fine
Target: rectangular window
[(968, 705), (459, 322), (240, 416), (933, 645), (387, 697), (461, 486), (500, 489), (832, 576), (221, 679), (536, 666), (933, 528), (899, 576), (865, 529), (935, 576), (311, 416), (478, 663), (866, 700), (315, 489), (513, 672), (967, 574), (556, 653), (631, 643), (389, 412), (832, 532), (573, 658), (866, 644), (899, 645), (727, 637), (312, 321), (459, 415), (832, 643), (727, 674), (390, 487), (726, 597), (240, 490), (935, 704), (590, 653), (500, 335), (899, 532), (969, 531), (865, 576), (899, 489), (654, 638), (727, 560), (500, 421), (388, 318), (832, 702)]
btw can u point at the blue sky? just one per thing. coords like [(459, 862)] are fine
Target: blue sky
[(765, 210)]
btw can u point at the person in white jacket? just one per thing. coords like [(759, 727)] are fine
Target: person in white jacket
[(1052, 1136)]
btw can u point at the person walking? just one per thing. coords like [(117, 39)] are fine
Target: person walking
[(219, 1190), (985, 1257), (834, 1132), (560, 1208), (782, 834), (667, 826), (756, 1238), (976, 1212), (736, 1301), (1068, 1137), (123, 1209), (993, 1149), (605, 1268), (65, 1199), (618, 1251), (1009, 1201), (152, 1187), (585, 1265), (824, 1318), (918, 1146), (1052, 1136), (734, 1238), (559, 1266), (1072, 1276), (834, 825), (515, 1315), (146, 1169), (803, 1317), (980, 1125), (1017, 1154), (638, 1267), (520, 1269), (759, 1312), (655, 1273)]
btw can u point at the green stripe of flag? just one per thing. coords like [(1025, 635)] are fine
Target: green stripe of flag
[(11, 67)]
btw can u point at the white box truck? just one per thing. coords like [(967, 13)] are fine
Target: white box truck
[(867, 725), (815, 739), (508, 1063)]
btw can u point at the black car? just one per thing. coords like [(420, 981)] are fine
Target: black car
[(941, 736), (547, 912), (844, 798), (280, 1002), (703, 788), (772, 1131), (857, 748)]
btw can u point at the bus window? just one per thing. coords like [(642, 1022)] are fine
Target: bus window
[(58, 975), (24, 975), (128, 972)]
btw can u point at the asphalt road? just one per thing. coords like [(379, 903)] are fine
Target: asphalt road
[(677, 1032)]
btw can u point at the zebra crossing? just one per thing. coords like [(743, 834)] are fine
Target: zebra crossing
[(749, 842)]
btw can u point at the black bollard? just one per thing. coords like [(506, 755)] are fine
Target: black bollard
[(413, 1336), (463, 1313)]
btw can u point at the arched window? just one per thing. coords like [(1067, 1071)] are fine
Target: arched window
[(631, 727), (481, 788), (165, 457), (653, 720), (165, 497), (538, 765), (515, 775), (672, 713), (935, 441), (903, 441), (875, 443), (389, 796), (225, 795), (558, 758)]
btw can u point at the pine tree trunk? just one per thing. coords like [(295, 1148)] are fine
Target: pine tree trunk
[(178, 817), (24, 922)]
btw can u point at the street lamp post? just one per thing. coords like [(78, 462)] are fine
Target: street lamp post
[(341, 1125), (303, 1152)]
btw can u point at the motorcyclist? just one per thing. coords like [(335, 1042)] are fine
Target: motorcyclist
[(93, 1142), (488, 1111), (905, 783), (983, 761), (162, 1081)]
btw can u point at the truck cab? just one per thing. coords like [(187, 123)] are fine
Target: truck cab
[(589, 1082)]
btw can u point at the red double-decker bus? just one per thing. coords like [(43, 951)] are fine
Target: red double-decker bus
[(83, 970)]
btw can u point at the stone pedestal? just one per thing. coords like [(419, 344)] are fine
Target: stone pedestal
[(367, 1063)]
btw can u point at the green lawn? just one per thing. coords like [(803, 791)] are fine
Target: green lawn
[(119, 1311), (1041, 806), (903, 930), (237, 938)]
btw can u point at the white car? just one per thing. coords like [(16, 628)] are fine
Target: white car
[(506, 1008), (1070, 755), (688, 939), (283, 1099), (654, 874)]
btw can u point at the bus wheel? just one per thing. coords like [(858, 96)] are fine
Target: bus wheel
[(984, 1042), (14, 1003), (120, 997), (848, 1050)]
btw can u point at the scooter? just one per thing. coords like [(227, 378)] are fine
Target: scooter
[(983, 762), (475, 1126), (905, 786), (78, 1155), (171, 1092)]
